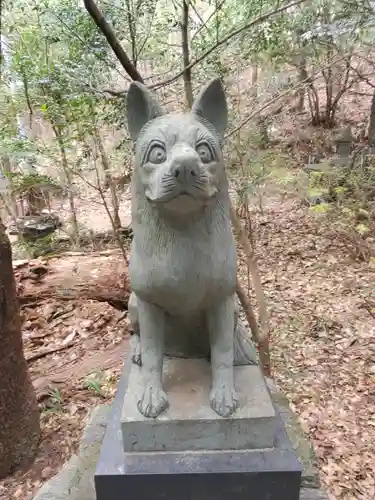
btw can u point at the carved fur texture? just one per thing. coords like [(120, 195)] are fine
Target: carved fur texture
[(183, 262)]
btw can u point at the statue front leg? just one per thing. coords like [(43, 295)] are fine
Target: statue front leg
[(221, 330), (151, 328)]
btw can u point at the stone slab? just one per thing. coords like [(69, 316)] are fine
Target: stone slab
[(299, 440), (189, 423), (271, 473), (76, 479), (312, 494)]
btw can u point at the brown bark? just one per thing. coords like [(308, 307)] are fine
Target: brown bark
[(19, 414), (111, 286), (185, 54), (302, 76), (371, 128)]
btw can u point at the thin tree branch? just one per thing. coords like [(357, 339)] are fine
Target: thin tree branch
[(204, 25), (226, 39), (27, 96), (147, 36), (108, 32), (363, 77), (264, 333)]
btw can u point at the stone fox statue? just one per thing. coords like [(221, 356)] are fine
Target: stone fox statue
[(183, 261)]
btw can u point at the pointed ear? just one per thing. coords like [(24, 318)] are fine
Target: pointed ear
[(211, 105), (142, 107)]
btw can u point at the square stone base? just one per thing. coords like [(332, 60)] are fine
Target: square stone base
[(266, 474), (189, 423)]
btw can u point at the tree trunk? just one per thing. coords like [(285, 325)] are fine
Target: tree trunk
[(69, 183), (109, 181), (371, 128), (19, 414), (132, 31), (9, 197), (302, 77), (185, 54), (254, 80)]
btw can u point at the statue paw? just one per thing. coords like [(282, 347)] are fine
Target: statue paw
[(223, 400), (153, 401), (136, 357)]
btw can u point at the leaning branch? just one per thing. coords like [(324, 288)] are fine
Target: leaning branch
[(110, 35), (262, 336)]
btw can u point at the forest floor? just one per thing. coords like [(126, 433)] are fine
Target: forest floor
[(322, 311), (322, 307)]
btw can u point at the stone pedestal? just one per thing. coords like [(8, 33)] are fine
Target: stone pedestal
[(189, 423), (204, 457)]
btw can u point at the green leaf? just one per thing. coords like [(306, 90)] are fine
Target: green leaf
[(322, 208), (362, 229)]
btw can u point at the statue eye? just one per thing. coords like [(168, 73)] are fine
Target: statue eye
[(205, 152), (157, 154)]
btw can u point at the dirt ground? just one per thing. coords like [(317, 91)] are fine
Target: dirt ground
[(75, 343), (322, 306)]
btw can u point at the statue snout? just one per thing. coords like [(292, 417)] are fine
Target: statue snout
[(185, 168)]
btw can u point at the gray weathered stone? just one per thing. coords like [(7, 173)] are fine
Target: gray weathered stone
[(76, 480), (36, 226), (299, 440), (183, 263), (312, 494), (189, 423), (344, 146)]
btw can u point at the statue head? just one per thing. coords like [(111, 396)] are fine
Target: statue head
[(178, 159)]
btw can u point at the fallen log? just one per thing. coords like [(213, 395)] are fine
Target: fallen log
[(74, 283)]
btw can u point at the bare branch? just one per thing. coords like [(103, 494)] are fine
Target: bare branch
[(363, 77), (204, 25), (226, 39), (147, 36), (264, 334), (108, 32), (306, 83)]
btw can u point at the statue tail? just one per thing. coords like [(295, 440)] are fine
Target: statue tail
[(245, 352)]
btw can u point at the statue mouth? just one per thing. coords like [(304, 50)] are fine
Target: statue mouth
[(175, 196), (183, 193)]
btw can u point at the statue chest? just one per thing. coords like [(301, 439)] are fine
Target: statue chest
[(184, 274)]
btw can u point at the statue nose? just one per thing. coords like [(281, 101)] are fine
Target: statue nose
[(185, 170)]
